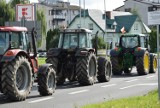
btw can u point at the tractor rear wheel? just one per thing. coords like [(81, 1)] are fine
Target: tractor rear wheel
[(142, 64), (86, 69), (116, 68), (47, 82), (17, 78), (153, 63), (104, 70), (0, 81), (60, 79)]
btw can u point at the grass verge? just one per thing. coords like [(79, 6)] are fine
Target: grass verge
[(41, 61), (147, 101)]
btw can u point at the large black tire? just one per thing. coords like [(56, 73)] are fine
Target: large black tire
[(116, 68), (0, 81), (47, 82), (60, 79), (104, 70), (153, 63), (142, 64), (86, 69), (17, 78)]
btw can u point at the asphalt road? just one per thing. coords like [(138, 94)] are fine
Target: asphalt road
[(72, 95)]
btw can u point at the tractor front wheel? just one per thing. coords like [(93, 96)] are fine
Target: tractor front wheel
[(104, 70), (17, 78), (47, 82)]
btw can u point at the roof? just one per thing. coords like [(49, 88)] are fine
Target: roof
[(125, 21), (147, 28), (152, 2), (14, 28), (77, 30), (95, 15)]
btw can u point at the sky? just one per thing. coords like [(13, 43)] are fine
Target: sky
[(96, 4)]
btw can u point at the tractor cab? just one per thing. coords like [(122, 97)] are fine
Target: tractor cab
[(16, 38), (75, 38), (132, 41)]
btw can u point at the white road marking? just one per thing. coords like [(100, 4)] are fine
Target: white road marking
[(150, 76), (76, 92), (132, 80), (40, 100), (147, 84), (109, 85)]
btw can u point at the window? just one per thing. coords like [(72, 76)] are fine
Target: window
[(50, 12), (129, 42), (82, 40), (15, 40), (90, 26), (128, 10), (4, 42), (135, 26)]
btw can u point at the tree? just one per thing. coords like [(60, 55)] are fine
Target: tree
[(15, 2), (101, 44), (52, 38), (7, 13), (153, 40), (41, 17)]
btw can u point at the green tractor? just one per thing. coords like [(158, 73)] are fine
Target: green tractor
[(133, 50), (75, 59)]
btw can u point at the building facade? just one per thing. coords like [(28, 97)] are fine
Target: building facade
[(58, 15), (140, 7)]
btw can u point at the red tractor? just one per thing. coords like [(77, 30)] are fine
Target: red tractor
[(19, 65)]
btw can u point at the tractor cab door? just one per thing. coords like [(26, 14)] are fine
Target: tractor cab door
[(18, 41), (144, 42)]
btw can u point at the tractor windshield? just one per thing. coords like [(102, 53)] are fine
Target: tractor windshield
[(129, 42), (72, 40), (4, 42)]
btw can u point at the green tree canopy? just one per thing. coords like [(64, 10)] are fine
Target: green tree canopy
[(15, 2), (52, 38), (101, 44), (153, 40), (41, 17), (7, 13)]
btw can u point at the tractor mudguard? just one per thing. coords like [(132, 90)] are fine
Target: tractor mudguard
[(83, 52), (114, 52), (139, 53), (11, 54), (53, 52), (43, 68), (153, 54)]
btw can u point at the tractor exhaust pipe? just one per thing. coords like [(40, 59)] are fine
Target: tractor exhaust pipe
[(96, 42)]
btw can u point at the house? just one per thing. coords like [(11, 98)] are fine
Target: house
[(129, 23), (109, 27), (90, 19), (140, 7)]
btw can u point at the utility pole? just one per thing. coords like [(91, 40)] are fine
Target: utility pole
[(80, 12), (84, 12), (105, 12), (158, 61)]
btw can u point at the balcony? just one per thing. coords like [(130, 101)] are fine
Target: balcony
[(58, 17)]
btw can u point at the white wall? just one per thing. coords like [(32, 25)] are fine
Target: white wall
[(84, 24)]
